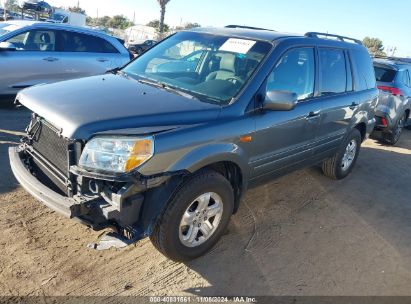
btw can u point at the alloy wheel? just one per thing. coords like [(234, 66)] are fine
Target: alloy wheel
[(349, 155), (201, 219)]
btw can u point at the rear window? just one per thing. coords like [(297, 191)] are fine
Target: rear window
[(384, 74)]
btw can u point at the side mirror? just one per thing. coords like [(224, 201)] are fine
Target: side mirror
[(7, 46), (280, 100)]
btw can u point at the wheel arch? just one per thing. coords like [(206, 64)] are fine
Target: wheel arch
[(362, 127)]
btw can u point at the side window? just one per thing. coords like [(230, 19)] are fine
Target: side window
[(365, 75), (406, 79), (77, 42), (333, 71), (35, 40), (295, 72), (350, 83)]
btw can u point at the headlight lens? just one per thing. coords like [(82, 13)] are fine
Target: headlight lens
[(116, 154)]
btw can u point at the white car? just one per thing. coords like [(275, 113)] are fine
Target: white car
[(34, 53)]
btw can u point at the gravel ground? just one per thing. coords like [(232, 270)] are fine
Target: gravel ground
[(302, 234)]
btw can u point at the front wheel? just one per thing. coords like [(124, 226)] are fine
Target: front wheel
[(195, 218), (343, 161)]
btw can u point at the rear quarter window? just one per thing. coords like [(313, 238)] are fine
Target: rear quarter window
[(384, 74), (365, 75)]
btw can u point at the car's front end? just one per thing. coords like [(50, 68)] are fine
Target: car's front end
[(71, 161), (52, 168)]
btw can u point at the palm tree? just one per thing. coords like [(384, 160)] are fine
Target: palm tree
[(162, 4)]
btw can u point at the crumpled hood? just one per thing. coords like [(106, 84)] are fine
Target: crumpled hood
[(85, 106)]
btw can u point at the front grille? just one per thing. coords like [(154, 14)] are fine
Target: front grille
[(51, 145)]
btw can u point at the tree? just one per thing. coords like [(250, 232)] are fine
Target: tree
[(156, 25), (190, 25), (11, 5), (119, 22), (162, 4), (187, 26), (374, 45), (77, 9)]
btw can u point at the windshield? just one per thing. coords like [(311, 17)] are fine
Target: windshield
[(212, 68)]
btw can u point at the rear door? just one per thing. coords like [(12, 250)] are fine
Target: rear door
[(35, 61), (338, 97), (85, 55)]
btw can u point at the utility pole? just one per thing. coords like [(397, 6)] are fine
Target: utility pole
[(5, 10)]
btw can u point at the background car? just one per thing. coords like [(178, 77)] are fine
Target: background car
[(393, 77), (34, 52), (37, 6), (138, 49)]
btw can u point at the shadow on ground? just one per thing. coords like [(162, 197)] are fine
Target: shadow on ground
[(304, 234)]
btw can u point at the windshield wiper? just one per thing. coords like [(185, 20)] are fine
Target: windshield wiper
[(166, 87)]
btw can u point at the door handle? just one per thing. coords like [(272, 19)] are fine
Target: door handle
[(102, 59), (50, 59), (354, 105), (313, 114)]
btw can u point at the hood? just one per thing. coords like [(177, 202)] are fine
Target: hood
[(85, 106)]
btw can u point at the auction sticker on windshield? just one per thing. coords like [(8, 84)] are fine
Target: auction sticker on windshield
[(234, 45)]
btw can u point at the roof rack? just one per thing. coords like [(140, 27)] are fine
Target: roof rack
[(326, 35), (248, 27)]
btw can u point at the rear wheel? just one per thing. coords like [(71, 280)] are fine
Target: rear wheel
[(395, 134), (195, 218), (343, 161)]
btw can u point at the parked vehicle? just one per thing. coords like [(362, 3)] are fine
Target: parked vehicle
[(67, 17), (140, 48), (170, 155), (393, 109), (188, 63), (35, 53), (41, 7)]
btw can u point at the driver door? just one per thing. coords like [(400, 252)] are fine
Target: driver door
[(286, 138), (34, 61)]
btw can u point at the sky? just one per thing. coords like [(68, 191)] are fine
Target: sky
[(354, 18)]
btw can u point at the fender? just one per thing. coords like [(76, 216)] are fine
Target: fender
[(206, 155)]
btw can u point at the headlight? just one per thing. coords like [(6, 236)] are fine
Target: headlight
[(116, 154)]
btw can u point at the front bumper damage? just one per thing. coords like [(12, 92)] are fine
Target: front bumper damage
[(131, 211), (67, 207)]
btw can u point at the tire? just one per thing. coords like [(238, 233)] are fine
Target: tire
[(172, 237), (392, 137), (335, 167)]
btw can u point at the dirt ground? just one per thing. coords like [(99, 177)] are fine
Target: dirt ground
[(302, 234)]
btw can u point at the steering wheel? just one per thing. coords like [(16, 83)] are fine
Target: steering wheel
[(235, 80)]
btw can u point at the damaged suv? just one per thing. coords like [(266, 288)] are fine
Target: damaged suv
[(169, 154)]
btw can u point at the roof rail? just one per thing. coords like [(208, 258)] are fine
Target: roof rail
[(248, 27), (326, 35), (398, 59)]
